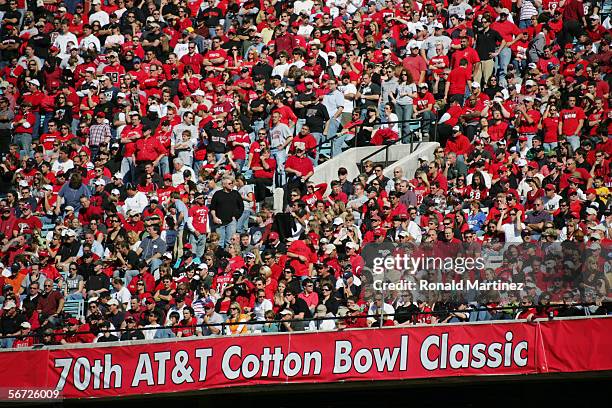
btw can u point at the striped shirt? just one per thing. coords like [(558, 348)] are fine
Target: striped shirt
[(528, 10)]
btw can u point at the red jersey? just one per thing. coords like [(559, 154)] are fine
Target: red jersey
[(199, 218), (570, 119)]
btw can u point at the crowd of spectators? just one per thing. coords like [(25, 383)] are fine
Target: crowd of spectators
[(141, 143)]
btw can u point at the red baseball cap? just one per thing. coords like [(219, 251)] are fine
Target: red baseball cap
[(533, 165), (550, 187), (167, 176), (591, 191), (273, 235)]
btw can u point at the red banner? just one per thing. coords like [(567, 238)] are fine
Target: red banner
[(357, 355)]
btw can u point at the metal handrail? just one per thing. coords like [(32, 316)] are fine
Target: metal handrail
[(385, 147), (411, 133), (224, 325)]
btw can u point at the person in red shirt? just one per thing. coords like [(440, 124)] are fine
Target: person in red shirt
[(571, 122), (238, 140), (415, 63), (527, 119), (424, 108), (337, 194), (148, 150), (74, 332), (263, 167), (461, 146), (28, 222), (467, 52), (47, 139), (549, 123), (23, 128), (299, 169), (216, 57), (305, 140), (457, 81), (198, 224), (193, 58)]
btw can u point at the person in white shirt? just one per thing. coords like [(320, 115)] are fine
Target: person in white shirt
[(63, 38), (282, 66), (303, 5), (334, 103), (89, 40), (136, 201), (320, 325), (261, 306), (512, 230), (179, 169), (332, 59), (379, 307), (98, 15), (551, 199), (63, 162), (348, 90), (121, 293)]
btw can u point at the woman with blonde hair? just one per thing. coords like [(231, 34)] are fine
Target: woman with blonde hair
[(236, 320)]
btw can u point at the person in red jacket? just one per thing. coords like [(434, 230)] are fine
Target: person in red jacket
[(76, 333), (461, 146)]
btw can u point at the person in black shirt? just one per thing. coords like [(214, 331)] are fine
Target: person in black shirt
[(298, 305), (210, 16), (486, 47), (305, 99), (41, 42), (99, 282), (132, 333), (226, 207), (152, 39), (316, 117), (10, 43), (107, 335)]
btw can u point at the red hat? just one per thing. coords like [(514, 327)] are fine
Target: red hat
[(575, 180), (100, 115), (571, 191), (591, 191), (54, 49), (314, 238), (504, 180), (273, 235), (550, 187), (209, 305), (43, 254), (9, 27), (522, 138), (188, 246), (569, 46), (533, 165), (149, 300), (167, 176), (72, 321)]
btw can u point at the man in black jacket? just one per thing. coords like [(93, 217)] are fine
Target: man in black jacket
[(226, 207)]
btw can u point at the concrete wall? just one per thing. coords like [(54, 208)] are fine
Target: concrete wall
[(410, 163), (350, 159), (400, 154)]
